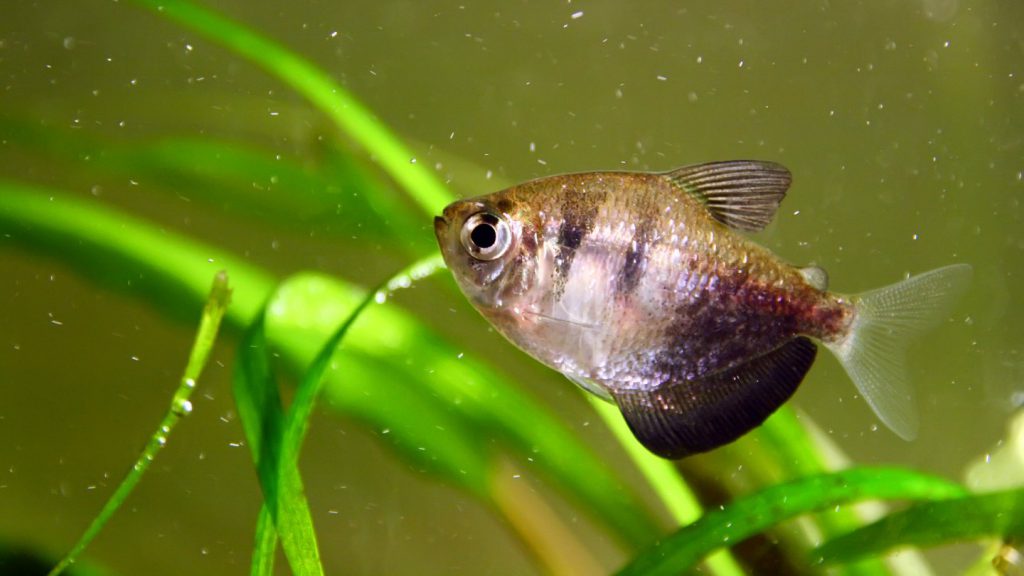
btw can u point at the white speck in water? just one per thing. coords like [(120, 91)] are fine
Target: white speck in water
[(874, 427), (190, 383), (577, 15), (915, 237), (700, 59), (662, 78), (69, 43), (691, 97), (460, 355), (412, 160), (515, 476), (135, 358), (188, 47), (334, 33), (161, 439), (488, 175), (741, 64), (533, 147)]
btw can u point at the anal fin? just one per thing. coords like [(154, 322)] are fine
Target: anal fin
[(682, 418)]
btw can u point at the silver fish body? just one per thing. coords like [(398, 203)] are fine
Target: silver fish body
[(639, 287)]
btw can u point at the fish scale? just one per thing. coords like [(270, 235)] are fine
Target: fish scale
[(641, 288)]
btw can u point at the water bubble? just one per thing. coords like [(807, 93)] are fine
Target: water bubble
[(190, 383), (182, 407)]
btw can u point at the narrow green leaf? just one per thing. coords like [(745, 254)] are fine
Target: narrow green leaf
[(264, 422), (265, 547), (996, 515), (666, 481), (181, 406), (332, 190), (313, 83), (753, 514)]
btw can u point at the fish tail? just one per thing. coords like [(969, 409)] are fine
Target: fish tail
[(885, 322)]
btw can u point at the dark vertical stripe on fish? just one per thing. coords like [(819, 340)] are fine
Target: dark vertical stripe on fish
[(579, 210), (635, 263)]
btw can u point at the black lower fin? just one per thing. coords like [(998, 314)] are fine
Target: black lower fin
[(682, 418)]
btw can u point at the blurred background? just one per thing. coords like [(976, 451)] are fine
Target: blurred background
[(902, 122)]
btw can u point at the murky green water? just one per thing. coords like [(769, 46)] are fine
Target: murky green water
[(902, 122)]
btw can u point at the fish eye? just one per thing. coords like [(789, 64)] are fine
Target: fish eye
[(486, 236)]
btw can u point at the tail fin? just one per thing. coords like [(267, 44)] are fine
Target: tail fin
[(885, 322)]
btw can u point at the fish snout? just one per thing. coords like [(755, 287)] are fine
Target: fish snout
[(440, 227)]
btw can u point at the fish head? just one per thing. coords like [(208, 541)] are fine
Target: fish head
[(489, 246)]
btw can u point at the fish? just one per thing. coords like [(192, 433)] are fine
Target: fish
[(645, 289)]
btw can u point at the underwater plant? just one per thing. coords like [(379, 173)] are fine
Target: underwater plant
[(371, 344)]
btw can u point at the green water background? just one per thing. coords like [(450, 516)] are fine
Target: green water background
[(903, 124)]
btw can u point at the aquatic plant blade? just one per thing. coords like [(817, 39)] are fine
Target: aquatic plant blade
[(181, 406), (264, 422), (996, 515), (753, 514), (333, 191), (666, 481), (482, 399), (313, 83), (118, 250)]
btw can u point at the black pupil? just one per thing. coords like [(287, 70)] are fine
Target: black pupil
[(483, 235)]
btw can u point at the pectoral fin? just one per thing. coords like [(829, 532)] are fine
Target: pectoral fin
[(683, 418)]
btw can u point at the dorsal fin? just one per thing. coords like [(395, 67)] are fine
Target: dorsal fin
[(682, 418), (742, 194)]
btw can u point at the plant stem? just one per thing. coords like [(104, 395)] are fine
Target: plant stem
[(180, 407)]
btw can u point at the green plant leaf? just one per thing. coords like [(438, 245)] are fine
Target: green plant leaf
[(317, 86), (180, 407), (755, 513), (997, 515), (171, 272), (264, 422), (331, 189)]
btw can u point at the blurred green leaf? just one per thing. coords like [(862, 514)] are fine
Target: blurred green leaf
[(265, 424), (753, 514), (326, 94), (328, 188), (996, 515), (172, 272)]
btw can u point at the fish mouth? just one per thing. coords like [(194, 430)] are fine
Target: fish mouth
[(440, 226)]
